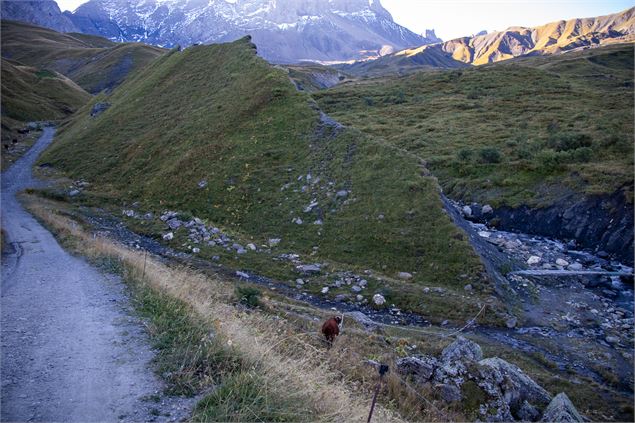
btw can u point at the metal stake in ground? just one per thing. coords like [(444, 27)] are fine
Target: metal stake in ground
[(383, 369)]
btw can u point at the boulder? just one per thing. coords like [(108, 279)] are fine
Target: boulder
[(362, 319), (420, 367), (404, 275), (274, 241), (498, 377), (379, 299), (341, 194), (527, 413), (308, 268), (174, 223), (533, 260), (487, 209), (462, 350), (448, 393), (575, 266), (560, 409), (169, 236), (467, 211), (99, 108), (562, 262)]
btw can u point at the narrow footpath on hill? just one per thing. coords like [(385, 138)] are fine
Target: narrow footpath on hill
[(71, 348)]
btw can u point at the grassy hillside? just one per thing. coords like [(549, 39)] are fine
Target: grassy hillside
[(30, 94), (92, 62), (524, 131), (222, 115)]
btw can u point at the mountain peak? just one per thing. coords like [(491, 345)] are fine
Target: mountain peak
[(285, 31)]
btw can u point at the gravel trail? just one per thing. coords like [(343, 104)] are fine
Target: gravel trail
[(71, 348)]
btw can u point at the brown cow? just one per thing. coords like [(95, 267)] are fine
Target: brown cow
[(331, 329)]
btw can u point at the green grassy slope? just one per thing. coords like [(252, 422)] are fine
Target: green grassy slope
[(30, 94), (518, 132), (92, 62), (221, 114)]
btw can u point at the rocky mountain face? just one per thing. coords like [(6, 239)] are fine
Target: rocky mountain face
[(43, 13), (553, 38), (285, 31)]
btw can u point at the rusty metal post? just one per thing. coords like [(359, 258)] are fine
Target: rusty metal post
[(383, 369)]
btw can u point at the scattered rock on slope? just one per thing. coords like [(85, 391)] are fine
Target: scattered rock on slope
[(503, 391)]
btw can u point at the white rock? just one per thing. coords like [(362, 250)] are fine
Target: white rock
[(467, 211), (561, 262), (379, 299), (299, 281), (325, 290), (297, 221), (169, 236), (74, 192), (405, 275), (274, 241), (242, 275), (129, 213), (310, 207), (484, 234), (487, 209), (318, 222), (359, 298), (196, 250), (575, 266), (533, 260), (252, 247)]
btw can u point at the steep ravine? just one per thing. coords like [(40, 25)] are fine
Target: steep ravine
[(602, 223)]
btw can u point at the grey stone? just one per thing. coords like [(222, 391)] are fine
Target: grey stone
[(511, 322), (420, 367), (528, 413), (515, 386), (274, 241), (74, 192), (575, 266), (533, 260), (356, 288), (462, 350), (379, 299), (174, 223), (468, 287), (467, 211), (487, 209), (309, 268), (341, 298), (449, 393), (560, 409), (169, 236), (562, 262), (341, 194), (362, 319), (404, 275), (196, 250), (99, 108)]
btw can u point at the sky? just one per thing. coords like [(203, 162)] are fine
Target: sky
[(458, 18)]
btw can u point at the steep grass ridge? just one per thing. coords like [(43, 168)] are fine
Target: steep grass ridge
[(30, 94), (217, 132), (94, 63)]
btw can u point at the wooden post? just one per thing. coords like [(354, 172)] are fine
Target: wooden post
[(383, 369), (145, 258)]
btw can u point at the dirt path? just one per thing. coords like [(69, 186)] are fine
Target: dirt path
[(71, 349)]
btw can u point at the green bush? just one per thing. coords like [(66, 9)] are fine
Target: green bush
[(583, 155), (567, 141), (248, 296), (464, 154), (490, 155)]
